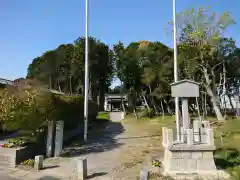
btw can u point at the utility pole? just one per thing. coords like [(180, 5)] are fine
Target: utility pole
[(86, 74), (176, 70)]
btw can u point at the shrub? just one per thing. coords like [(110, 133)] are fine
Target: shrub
[(29, 162), (70, 109), (145, 113), (28, 109), (103, 116)]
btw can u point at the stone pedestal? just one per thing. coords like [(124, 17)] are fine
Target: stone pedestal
[(184, 159), (192, 157)]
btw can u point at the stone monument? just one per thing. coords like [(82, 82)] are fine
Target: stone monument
[(193, 155)]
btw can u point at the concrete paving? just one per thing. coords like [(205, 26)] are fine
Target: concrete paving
[(5, 177), (116, 116)]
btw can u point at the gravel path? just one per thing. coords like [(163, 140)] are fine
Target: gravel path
[(5, 177), (117, 152)]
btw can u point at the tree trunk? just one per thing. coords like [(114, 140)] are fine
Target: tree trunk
[(70, 84), (146, 103), (214, 99), (163, 113), (231, 104), (90, 91), (59, 87), (101, 96), (135, 114), (50, 82), (169, 110), (154, 106), (215, 103)]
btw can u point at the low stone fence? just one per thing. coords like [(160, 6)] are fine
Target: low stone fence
[(201, 133), (14, 156)]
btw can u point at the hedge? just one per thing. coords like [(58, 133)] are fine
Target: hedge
[(29, 108)]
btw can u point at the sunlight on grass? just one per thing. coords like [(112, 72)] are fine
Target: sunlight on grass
[(102, 115), (227, 135)]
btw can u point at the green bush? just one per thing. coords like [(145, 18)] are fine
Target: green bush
[(29, 162), (28, 109), (231, 155), (145, 113), (70, 109), (103, 116)]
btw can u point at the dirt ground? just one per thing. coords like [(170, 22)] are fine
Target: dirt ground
[(118, 152)]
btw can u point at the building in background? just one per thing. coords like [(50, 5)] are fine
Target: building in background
[(115, 102)]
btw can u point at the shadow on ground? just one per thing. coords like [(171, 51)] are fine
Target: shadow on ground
[(99, 140), (50, 167), (226, 158), (94, 175), (48, 178), (225, 164)]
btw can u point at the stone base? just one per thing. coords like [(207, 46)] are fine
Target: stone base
[(181, 159), (218, 175)]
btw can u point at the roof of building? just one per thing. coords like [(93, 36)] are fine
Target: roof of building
[(184, 81), (5, 81)]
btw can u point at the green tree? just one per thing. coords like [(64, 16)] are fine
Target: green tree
[(63, 68), (201, 46)]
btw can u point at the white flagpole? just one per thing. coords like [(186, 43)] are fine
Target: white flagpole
[(176, 69), (86, 74)]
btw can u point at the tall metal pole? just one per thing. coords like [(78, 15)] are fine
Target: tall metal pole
[(176, 69), (86, 75)]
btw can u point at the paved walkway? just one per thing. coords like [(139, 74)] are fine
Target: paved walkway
[(5, 177), (7, 173), (100, 154), (109, 153), (112, 154)]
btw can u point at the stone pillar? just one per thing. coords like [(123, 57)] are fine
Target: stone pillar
[(164, 135), (210, 137), (144, 175), (185, 114), (58, 138), (190, 137), (82, 169), (50, 136), (38, 162), (169, 137), (183, 135), (196, 130)]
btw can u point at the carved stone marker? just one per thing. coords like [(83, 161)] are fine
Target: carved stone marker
[(59, 138), (50, 135), (38, 162), (82, 169)]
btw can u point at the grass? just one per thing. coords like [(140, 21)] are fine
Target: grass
[(227, 138), (102, 115), (227, 135)]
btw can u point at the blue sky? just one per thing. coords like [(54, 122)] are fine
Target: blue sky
[(30, 27)]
